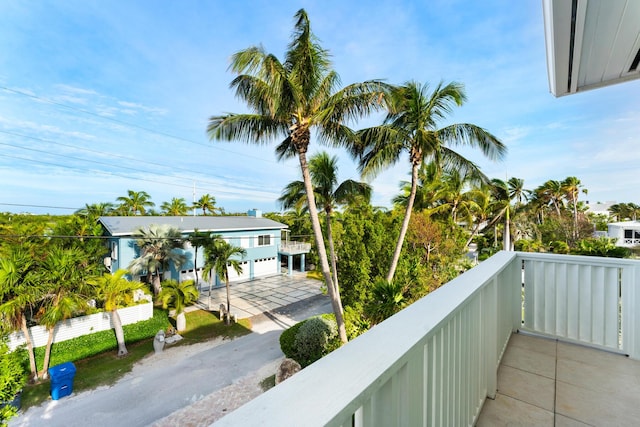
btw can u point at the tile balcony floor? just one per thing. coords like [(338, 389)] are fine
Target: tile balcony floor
[(543, 382), (254, 297)]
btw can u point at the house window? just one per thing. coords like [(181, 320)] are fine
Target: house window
[(264, 240), (631, 234)]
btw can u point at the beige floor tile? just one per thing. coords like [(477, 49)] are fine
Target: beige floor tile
[(562, 421), (589, 356), (506, 411), (530, 360), (619, 374), (527, 387), (597, 408), (538, 344)]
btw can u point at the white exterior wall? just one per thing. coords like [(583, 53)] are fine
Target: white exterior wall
[(616, 230), (84, 325)]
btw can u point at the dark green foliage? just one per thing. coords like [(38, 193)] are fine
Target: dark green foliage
[(603, 246), (355, 321), (309, 340), (288, 340), (99, 342), (387, 300), (13, 377)]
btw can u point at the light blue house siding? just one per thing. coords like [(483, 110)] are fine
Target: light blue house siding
[(260, 237)]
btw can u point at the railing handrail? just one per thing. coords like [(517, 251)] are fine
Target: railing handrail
[(435, 362)]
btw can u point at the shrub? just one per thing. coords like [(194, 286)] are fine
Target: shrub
[(309, 340), (13, 376), (288, 340), (313, 339)]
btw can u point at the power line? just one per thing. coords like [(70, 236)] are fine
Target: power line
[(102, 153), (38, 206), (128, 124)]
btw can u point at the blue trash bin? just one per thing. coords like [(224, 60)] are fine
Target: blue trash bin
[(61, 377)]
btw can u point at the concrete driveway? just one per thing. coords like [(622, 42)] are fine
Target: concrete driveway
[(253, 297), (181, 377)]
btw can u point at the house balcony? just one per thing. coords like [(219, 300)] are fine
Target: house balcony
[(558, 335), (294, 248)]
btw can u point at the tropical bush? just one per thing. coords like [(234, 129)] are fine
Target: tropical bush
[(309, 340), (13, 376)]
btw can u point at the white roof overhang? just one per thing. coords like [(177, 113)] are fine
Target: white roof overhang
[(591, 43)]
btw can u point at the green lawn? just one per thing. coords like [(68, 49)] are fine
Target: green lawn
[(106, 368)]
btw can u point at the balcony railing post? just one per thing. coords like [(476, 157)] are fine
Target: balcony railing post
[(631, 311), (490, 318)]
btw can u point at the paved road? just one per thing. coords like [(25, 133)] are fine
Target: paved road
[(164, 383)]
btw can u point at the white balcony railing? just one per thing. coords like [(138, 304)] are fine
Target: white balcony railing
[(436, 362), (295, 247)]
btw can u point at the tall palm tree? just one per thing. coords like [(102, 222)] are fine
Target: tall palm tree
[(62, 276), (159, 246), (426, 190), (19, 293), (323, 169), (290, 99), (198, 239), (411, 126), (551, 193), (571, 186), (176, 207), (207, 203), (114, 291), (178, 295), (517, 191), (135, 202), (219, 256)]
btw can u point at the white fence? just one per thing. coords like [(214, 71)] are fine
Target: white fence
[(84, 325), (436, 362)]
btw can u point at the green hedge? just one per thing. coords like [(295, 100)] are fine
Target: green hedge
[(99, 342)]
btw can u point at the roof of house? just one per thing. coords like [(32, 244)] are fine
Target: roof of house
[(126, 225)]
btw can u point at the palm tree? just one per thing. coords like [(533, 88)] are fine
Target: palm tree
[(551, 194), (96, 210), (19, 293), (114, 291), (136, 202), (198, 239), (176, 207), (323, 169), (411, 126), (62, 277), (158, 246), (219, 256), (291, 99), (454, 196), (207, 203), (178, 295), (426, 190), (571, 187)]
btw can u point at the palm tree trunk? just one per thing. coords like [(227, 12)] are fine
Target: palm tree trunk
[(405, 223), (44, 374), (27, 338), (332, 251), (117, 326), (228, 300), (156, 283), (334, 293)]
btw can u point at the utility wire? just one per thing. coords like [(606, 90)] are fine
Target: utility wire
[(128, 124)]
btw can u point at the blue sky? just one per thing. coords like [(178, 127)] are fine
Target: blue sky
[(100, 97)]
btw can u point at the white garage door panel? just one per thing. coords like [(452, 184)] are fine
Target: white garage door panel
[(246, 271), (265, 267)]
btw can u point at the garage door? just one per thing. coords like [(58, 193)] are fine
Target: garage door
[(246, 271), (265, 267)]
